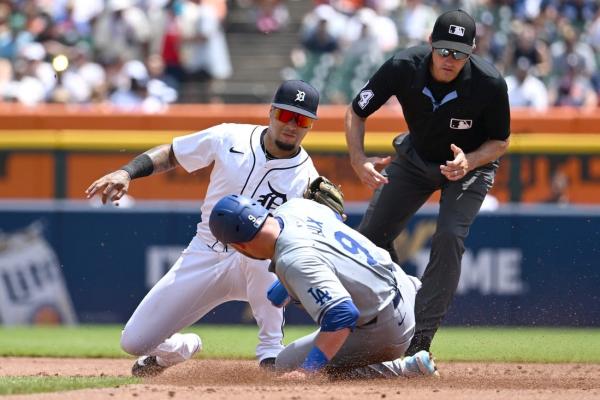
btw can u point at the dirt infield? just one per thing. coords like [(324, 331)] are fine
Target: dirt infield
[(219, 379)]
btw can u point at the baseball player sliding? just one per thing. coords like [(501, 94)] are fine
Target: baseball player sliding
[(363, 302), (265, 163)]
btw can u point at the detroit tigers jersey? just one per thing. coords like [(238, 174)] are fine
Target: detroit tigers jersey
[(241, 167), (322, 262)]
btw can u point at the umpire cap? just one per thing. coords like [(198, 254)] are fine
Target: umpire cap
[(236, 219), (454, 30), (297, 96)]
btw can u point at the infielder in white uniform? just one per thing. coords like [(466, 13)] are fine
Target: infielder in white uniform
[(363, 302), (265, 163)]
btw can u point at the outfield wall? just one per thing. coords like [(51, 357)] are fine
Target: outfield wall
[(72, 261)]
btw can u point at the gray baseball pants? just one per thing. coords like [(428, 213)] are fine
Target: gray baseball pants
[(384, 338)]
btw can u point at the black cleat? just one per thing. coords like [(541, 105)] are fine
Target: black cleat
[(267, 364), (147, 367)]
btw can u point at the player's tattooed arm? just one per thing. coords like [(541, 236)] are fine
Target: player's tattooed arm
[(163, 158), (154, 161)]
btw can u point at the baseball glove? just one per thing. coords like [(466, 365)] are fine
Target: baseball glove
[(323, 191)]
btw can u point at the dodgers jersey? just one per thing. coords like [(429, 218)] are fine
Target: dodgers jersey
[(322, 262), (241, 167)]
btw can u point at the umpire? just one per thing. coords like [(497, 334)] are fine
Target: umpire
[(456, 106)]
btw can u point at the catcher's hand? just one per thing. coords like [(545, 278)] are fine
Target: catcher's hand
[(323, 191)]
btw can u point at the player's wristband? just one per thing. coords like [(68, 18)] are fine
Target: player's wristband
[(315, 360), (139, 167)]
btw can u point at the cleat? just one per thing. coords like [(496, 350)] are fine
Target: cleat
[(420, 364), (147, 367), (198, 342), (268, 364)]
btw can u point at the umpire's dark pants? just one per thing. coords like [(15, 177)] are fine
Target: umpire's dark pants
[(411, 181)]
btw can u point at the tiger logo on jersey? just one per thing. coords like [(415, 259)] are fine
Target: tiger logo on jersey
[(272, 200)]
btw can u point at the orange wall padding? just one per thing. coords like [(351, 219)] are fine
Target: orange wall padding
[(31, 173)]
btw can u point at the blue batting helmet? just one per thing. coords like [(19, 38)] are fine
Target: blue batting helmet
[(236, 219)]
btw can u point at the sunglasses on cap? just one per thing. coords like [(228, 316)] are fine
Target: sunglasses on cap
[(286, 116), (457, 55)]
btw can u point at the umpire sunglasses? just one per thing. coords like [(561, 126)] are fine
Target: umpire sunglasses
[(457, 55), (286, 116)]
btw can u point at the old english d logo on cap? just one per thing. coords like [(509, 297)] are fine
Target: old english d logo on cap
[(297, 96)]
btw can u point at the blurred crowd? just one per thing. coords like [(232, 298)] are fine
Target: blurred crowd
[(125, 52), (548, 50), (140, 53)]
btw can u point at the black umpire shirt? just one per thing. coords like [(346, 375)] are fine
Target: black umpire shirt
[(467, 111)]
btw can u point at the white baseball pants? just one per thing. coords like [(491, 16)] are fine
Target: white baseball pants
[(200, 280)]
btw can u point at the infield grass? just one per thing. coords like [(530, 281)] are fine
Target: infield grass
[(239, 341), (41, 384)]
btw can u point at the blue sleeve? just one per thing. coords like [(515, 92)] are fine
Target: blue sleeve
[(340, 316), (278, 295)]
